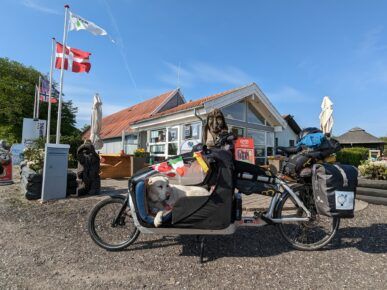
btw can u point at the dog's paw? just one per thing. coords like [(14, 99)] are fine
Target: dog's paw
[(158, 219)]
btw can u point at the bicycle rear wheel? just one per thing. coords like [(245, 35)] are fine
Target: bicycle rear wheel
[(307, 236), (111, 225)]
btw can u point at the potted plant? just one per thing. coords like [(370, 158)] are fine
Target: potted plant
[(139, 159)]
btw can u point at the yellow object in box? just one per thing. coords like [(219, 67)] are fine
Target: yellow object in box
[(330, 159), (199, 158)]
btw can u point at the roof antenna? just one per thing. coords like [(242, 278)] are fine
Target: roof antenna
[(178, 75)]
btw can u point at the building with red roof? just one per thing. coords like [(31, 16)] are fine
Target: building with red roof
[(167, 125)]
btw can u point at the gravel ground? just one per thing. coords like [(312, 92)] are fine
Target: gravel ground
[(47, 247)]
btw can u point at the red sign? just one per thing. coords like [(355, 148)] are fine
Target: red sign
[(244, 150), (6, 176)]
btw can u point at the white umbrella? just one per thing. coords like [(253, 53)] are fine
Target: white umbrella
[(326, 115), (96, 123)]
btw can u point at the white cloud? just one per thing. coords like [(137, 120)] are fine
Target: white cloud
[(78, 91), (119, 41), (84, 110), (371, 42), (33, 4), (288, 94), (199, 72)]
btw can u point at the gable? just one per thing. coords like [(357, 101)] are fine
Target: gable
[(173, 102)]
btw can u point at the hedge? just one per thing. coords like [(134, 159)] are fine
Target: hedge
[(353, 156)]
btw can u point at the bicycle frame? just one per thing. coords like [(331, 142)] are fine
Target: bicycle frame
[(267, 218)]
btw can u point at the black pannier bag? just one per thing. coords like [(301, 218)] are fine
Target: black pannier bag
[(295, 164), (334, 189)]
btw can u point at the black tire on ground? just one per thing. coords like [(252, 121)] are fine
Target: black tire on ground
[(308, 245), (93, 227)]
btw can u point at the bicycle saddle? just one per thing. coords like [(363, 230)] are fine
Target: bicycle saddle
[(288, 150)]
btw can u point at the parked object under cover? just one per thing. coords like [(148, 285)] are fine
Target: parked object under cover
[(334, 189), (96, 123), (326, 116)]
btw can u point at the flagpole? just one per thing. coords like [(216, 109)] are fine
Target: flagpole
[(50, 90), (38, 98), (59, 119), (34, 116)]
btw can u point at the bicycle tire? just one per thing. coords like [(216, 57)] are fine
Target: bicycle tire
[(97, 238), (335, 222)]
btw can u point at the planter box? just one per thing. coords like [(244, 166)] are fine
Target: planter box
[(138, 163), (115, 166)]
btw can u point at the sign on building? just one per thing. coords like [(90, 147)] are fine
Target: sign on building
[(244, 150)]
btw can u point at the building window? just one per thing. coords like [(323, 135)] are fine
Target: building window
[(253, 116), (172, 149), (269, 139), (192, 131), (157, 136), (235, 111), (276, 142), (258, 136), (161, 146), (131, 139), (172, 134), (157, 149), (238, 131), (173, 141), (291, 142)]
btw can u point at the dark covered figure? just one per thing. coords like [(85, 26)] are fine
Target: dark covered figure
[(215, 125), (88, 169)]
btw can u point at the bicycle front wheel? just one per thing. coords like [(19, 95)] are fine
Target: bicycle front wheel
[(111, 225), (307, 236)]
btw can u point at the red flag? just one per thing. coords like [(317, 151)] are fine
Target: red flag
[(76, 60)]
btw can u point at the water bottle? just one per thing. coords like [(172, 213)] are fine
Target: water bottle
[(238, 206)]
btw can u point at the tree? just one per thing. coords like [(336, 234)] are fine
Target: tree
[(17, 89)]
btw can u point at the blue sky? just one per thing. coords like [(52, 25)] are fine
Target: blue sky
[(296, 51)]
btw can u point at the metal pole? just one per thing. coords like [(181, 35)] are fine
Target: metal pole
[(38, 98), (59, 119), (50, 91), (34, 116)]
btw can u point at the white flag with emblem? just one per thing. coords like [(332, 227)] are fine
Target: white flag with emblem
[(79, 23)]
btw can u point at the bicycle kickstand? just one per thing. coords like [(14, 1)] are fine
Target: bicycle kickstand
[(202, 249)]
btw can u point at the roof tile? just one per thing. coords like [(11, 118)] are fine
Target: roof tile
[(114, 124)]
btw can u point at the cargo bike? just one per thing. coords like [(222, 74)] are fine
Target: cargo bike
[(116, 222)]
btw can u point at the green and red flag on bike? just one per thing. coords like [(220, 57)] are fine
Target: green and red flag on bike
[(178, 165), (165, 168)]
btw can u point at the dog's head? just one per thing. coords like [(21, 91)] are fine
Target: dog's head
[(158, 188)]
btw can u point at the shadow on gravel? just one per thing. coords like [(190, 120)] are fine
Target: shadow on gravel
[(266, 242), (105, 191), (371, 239)]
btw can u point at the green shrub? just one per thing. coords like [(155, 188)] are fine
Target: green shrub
[(74, 142), (374, 169), (353, 156)]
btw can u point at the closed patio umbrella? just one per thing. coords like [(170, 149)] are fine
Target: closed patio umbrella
[(326, 116), (96, 123)]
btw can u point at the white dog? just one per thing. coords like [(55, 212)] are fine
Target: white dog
[(162, 196)]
